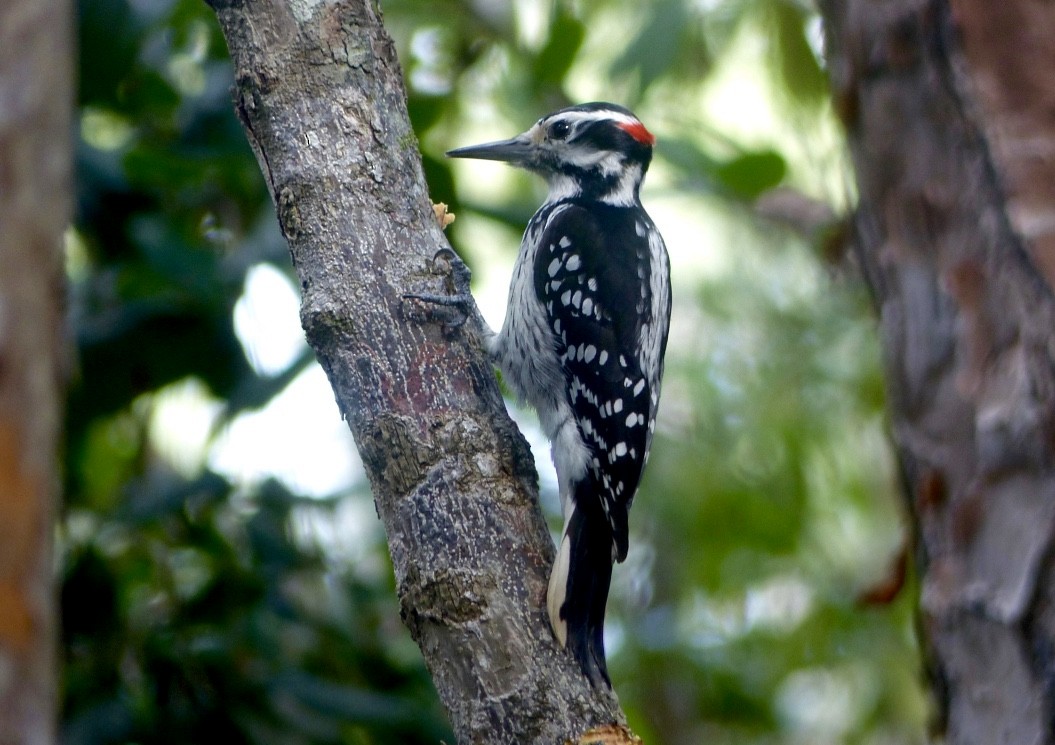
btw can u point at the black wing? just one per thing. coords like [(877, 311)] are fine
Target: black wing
[(592, 277)]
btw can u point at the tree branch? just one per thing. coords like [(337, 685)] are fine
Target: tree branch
[(319, 91)]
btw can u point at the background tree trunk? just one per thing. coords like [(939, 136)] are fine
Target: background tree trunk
[(950, 109), (319, 91), (36, 101)]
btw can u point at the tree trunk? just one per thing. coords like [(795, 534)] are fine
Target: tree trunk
[(319, 91), (950, 110), (36, 103)]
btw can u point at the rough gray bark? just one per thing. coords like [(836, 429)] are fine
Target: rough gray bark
[(320, 93), (36, 103), (950, 110)]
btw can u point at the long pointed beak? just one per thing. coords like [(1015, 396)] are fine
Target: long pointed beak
[(517, 150)]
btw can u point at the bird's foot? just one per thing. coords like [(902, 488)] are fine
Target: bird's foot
[(458, 275)]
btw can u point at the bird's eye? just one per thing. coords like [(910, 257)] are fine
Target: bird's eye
[(559, 130)]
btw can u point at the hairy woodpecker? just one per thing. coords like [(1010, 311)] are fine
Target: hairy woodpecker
[(583, 342)]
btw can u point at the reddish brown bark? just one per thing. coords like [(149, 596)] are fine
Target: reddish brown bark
[(948, 108), (36, 99), (1005, 72)]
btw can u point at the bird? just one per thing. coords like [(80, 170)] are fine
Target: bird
[(583, 342)]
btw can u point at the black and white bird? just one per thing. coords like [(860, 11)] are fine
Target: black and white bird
[(583, 342)]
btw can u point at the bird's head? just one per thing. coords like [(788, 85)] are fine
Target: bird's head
[(595, 150)]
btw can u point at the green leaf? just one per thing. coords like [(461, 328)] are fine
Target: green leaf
[(425, 110), (655, 48), (753, 173), (551, 64), (796, 63), (687, 156), (147, 94), (346, 702), (109, 39)]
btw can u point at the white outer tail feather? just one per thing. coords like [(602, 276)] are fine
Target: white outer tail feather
[(558, 585)]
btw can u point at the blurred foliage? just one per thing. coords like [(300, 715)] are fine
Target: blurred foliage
[(193, 610), (199, 605)]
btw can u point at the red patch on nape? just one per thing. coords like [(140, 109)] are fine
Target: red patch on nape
[(638, 132)]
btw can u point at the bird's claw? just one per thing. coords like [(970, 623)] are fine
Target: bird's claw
[(461, 302), (447, 262)]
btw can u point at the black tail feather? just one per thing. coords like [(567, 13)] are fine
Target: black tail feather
[(588, 581)]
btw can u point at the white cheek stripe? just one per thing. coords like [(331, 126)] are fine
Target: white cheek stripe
[(578, 117)]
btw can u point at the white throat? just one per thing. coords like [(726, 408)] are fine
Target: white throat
[(622, 194)]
